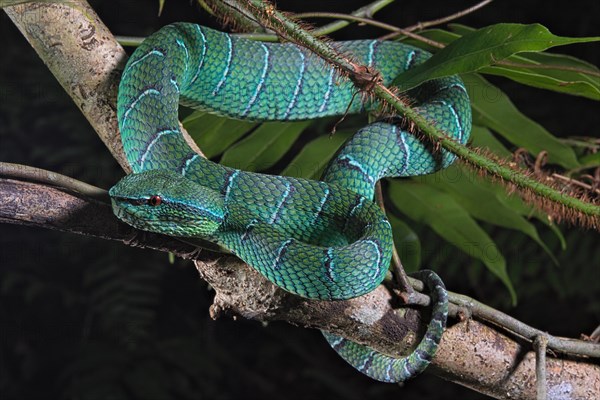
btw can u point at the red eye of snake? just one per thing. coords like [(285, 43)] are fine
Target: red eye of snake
[(154, 200)]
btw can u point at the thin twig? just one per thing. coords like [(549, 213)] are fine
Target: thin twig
[(540, 345), (583, 141), (132, 41), (498, 318), (396, 30), (595, 336), (404, 287), (571, 181), (484, 312), (37, 175), (348, 17), (367, 11), (422, 25)]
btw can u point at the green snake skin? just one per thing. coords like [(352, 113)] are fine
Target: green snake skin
[(318, 239)]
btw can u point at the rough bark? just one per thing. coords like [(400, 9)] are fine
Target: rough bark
[(471, 353), (84, 57)]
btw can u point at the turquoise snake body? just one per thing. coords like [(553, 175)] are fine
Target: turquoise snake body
[(318, 239)]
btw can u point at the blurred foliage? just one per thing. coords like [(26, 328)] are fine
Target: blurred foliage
[(85, 319)]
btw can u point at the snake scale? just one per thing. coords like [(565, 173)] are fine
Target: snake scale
[(318, 239)]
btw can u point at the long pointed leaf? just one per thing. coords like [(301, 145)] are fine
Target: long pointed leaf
[(483, 201), (493, 109), (312, 159), (558, 72), (265, 146), (214, 134), (570, 75), (483, 48), (449, 219)]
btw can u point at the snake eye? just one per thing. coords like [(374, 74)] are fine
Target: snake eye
[(155, 200)]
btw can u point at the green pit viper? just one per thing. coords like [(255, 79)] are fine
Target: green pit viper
[(318, 239)]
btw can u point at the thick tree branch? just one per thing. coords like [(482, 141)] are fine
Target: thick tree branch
[(84, 57), (87, 61), (471, 353)]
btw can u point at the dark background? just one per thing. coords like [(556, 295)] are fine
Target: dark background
[(82, 318)]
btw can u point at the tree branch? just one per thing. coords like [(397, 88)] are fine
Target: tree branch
[(471, 353), (84, 57)]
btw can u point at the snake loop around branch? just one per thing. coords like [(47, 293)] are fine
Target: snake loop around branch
[(319, 239)]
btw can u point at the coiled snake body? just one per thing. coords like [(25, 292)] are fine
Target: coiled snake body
[(318, 239)]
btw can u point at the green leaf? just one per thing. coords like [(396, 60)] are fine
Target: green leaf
[(451, 221), (494, 110), (265, 146), (460, 29), (569, 75), (556, 72), (312, 159), (591, 160), (407, 244), (161, 5), (484, 201), (482, 137), (482, 48), (213, 133)]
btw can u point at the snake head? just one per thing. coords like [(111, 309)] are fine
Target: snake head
[(165, 202)]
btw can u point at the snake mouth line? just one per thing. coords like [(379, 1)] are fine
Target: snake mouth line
[(122, 214)]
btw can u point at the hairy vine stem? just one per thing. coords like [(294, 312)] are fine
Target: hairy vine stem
[(563, 205)]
